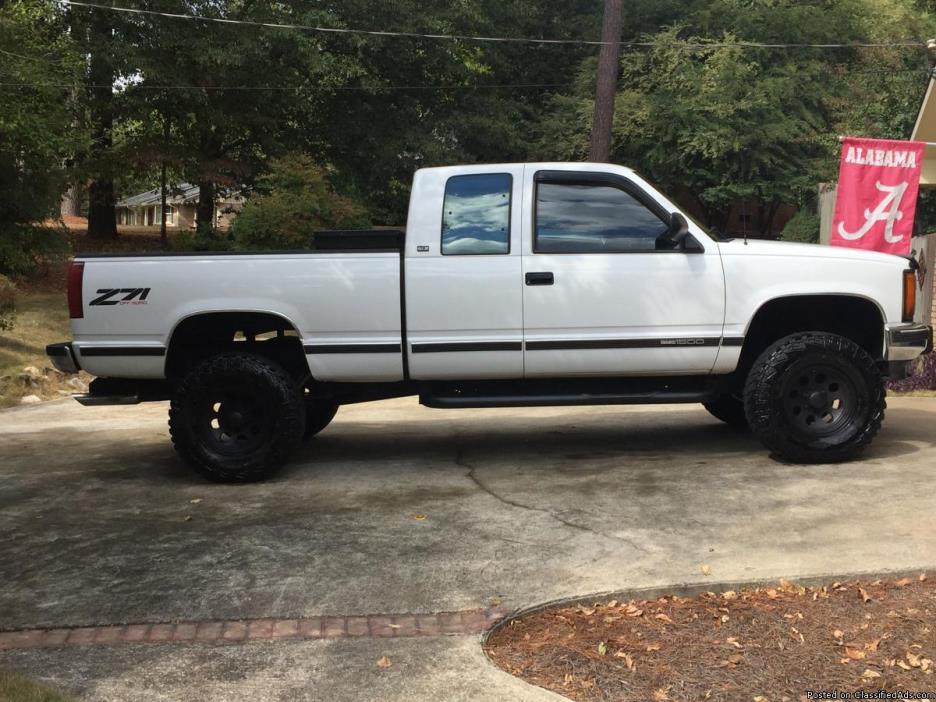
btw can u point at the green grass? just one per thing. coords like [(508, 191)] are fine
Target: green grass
[(16, 688), (41, 318)]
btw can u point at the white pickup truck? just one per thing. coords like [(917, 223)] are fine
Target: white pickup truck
[(513, 285)]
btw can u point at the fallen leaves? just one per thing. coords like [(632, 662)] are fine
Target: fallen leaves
[(854, 653), (724, 645), (384, 662), (628, 660), (706, 569), (732, 661), (632, 610), (419, 517)]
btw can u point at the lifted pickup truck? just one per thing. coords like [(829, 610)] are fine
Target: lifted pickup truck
[(514, 285)]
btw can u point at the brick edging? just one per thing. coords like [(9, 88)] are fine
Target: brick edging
[(461, 623)]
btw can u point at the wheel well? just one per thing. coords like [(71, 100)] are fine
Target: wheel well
[(855, 318), (265, 334)]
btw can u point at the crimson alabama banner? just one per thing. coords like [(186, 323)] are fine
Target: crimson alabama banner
[(877, 193)]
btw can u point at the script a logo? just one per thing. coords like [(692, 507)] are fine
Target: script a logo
[(888, 211)]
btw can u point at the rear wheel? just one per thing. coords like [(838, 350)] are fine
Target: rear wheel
[(237, 418), (318, 416), (815, 398), (729, 409)]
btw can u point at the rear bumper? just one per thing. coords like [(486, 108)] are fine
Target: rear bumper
[(62, 357), (904, 342)]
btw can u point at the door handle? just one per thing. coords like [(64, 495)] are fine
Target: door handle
[(540, 278)]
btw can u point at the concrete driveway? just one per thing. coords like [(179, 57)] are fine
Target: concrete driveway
[(398, 509)]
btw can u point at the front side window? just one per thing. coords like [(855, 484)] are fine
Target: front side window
[(476, 214), (582, 218)]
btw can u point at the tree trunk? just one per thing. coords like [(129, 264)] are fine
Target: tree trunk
[(606, 85), (71, 202), (205, 209), (102, 215), (163, 236)]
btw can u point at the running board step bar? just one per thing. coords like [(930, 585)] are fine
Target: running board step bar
[(89, 400), (569, 391)]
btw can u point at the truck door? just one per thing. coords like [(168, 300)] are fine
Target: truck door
[(464, 314), (599, 297)]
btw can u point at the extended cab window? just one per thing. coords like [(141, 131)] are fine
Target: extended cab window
[(476, 214), (592, 218)]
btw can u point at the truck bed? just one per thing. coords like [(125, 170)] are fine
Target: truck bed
[(343, 298)]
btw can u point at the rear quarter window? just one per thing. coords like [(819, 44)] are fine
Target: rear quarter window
[(476, 215)]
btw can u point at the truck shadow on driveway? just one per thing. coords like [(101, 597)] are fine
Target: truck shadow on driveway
[(578, 442)]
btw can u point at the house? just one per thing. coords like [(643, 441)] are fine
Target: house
[(924, 248), (143, 210)]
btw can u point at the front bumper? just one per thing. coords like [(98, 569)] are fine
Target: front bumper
[(63, 357), (904, 342)]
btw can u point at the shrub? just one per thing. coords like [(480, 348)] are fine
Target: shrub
[(195, 241), (293, 201), (24, 248), (922, 377), (7, 303), (802, 227)]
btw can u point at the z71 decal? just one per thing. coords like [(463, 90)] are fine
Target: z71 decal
[(120, 296)]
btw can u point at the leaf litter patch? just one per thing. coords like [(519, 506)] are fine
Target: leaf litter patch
[(766, 644)]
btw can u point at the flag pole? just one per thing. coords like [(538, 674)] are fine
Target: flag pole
[(928, 143)]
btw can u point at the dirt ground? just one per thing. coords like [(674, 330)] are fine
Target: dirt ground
[(767, 644)]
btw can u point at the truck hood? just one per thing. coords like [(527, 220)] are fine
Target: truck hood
[(753, 247)]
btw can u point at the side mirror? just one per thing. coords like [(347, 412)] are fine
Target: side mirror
[(676, 235)]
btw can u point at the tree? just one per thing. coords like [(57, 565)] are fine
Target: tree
[(715, 123), (38, 128), (100, 36), (235, 96), (292, 202)]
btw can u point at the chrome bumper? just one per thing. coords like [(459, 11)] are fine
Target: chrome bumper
[(904, 342), (62, 357)]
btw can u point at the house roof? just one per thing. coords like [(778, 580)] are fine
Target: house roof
[(184, 193), (925, 130)]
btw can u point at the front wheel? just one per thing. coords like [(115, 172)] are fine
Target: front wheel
[(815, 398), (236, 418)]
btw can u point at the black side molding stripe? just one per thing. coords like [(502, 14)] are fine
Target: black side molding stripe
[(621, 344), (468, 346), (732, 341), (89, 351), (353, 348)]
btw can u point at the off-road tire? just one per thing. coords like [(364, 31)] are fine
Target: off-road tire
[(260, 438), (788, 384), (729, 409), (319, 415)]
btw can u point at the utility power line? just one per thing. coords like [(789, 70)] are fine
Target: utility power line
[(351, 88), (512, 40)]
